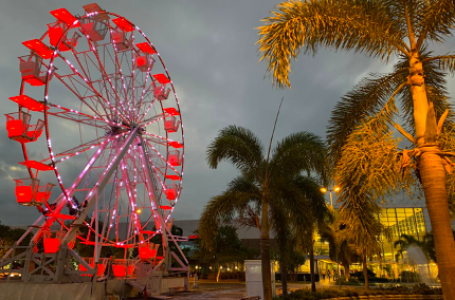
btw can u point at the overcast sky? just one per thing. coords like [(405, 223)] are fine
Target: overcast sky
[(209, 49)]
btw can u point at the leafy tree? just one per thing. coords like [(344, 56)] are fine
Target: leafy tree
[(382, 29), (297, 259), (9, 236), (265, 182), (227, 247)]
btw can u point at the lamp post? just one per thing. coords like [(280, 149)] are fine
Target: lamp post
[(330, 190), (334, 189)]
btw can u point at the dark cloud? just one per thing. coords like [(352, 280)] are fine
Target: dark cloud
[(209, 49)]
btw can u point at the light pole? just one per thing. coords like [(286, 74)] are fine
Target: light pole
[(330, 190), (334, 189)]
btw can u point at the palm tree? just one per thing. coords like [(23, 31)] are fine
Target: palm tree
[(340, 250), (383, 29), (404, 243), (363, 228), (318, 215), (266, 183), (292, 228)]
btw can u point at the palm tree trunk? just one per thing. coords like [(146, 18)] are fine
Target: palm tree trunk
[(313, 279), (365, 271), (345, 264), (265, 252), (284, 277), (433, 178), (218, 272)]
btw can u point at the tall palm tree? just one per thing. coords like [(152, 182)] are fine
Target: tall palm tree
[(266, 182), (382, 29)]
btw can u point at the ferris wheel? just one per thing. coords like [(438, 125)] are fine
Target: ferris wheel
[(100, 128)]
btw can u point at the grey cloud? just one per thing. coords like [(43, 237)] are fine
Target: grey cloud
[(209, 49)]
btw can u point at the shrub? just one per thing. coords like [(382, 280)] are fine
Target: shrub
[(334, 292)]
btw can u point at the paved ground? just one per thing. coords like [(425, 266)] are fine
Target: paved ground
[(235, 290), (230, 290)]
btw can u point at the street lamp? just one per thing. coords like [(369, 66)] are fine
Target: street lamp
[(334, 189)]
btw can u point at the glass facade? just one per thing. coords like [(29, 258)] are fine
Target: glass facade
[(397, 222)]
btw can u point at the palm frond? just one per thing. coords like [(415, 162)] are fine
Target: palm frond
[(314, 199), (436, 21), (302, 151), (238, 145), (370, 162), (360, 213), (366, 99), (280, 225), (368, 27), (231, 202), (445, 62)]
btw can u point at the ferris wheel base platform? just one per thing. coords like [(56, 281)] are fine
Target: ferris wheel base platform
[(67, 291)]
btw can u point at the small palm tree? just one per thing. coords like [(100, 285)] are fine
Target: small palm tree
[(363, 228), (404, 243), (317, 216), (339, 249), (270, 184), (382, 29)]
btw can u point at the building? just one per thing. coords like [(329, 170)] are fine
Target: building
[(399, 218)]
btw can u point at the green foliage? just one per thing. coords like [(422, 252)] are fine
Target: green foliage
[(9, 236), (278, 182), (352, 281), (336, 292), (270, 185), (360, 275), (370, 161), (340, 247), (409, 276), (426, 245), (226, 247)]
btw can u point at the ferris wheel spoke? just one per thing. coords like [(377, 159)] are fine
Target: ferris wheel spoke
[(149, 106), (155, 140), (59, 111), (65, 155), (103, 180), (152, 179), (152, 120), (118, 64), (71, 85), (107, 77), (132, 198), (163, 159), (133, 81), (92, 89), (146, 89), (158, 137)]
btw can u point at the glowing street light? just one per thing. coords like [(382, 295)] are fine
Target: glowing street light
[(325, 190), (138, 211)]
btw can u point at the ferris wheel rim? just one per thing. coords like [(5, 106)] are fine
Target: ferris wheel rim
[(55, 54)]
